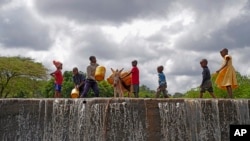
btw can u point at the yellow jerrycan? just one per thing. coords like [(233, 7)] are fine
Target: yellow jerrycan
[(100, 73), (74, 93)]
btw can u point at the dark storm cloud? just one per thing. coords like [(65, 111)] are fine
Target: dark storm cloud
[(103, 11), (238, 31), (233, 35), (211, 34), (2, 2), (19, 29), (207, 8)]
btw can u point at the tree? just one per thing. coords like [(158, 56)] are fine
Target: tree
[(20, 76), (145, 92), (178, 95)]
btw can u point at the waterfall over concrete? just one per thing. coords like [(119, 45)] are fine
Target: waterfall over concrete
[(120, 119)]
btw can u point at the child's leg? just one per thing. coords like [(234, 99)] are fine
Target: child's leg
[(56, 94), (136, 90), (58, 89), (211, 91), (229, 91), (59, 95), (201, 94), (212, 94), (158, 91), (165, 94)]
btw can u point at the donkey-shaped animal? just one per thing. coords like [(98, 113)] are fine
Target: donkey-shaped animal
[(119, 86)]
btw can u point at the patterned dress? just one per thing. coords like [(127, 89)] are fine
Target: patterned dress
[(227, 76)]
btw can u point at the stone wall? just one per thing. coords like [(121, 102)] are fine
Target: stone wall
[(120, 119)]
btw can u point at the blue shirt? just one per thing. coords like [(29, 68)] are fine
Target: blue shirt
[(162, 79)]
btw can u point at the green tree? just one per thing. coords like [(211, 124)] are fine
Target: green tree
[(106, 90), (68, 84), (145, 92), (177, 95), (20, 76)]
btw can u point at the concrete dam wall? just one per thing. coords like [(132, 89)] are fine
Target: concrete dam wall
[(120, 119)]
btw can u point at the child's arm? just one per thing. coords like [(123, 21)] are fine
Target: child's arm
[(126, 75), (52, 74), (227, 59), (82, 81)]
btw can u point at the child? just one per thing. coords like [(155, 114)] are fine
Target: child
[(90, 81), (58, 78), (226, 78), (134, 78), (78, 80), (162, 83), (206, 84)]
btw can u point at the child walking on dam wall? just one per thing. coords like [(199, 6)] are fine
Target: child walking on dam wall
[(226, 78), (162, 88), (206, 83)]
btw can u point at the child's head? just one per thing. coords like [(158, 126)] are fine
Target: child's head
[(160, 69), (92, 59), (224, 52), (203, 63), (75, 70), (57, 64), (134, 63)]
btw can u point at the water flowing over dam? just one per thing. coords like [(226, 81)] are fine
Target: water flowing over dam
[(120, 119)]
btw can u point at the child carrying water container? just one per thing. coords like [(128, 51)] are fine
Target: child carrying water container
[(90, 81), (162, 88), (78, 80)]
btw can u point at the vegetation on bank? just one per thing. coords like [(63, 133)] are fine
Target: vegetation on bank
[(24, 78)]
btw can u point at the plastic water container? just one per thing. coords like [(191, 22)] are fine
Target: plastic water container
[(74, 93), (127, 79), (110, 79), (100, 73)]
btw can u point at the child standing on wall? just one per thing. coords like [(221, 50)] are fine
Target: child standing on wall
[(162, 88), (226, 78), (134, 78), (58, 78), (206, 84), (78, 80)]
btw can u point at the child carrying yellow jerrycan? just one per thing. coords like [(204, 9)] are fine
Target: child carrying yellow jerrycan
[(100, 73), (74, 93)]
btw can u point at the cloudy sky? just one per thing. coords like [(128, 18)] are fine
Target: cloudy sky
[(174, 33)]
